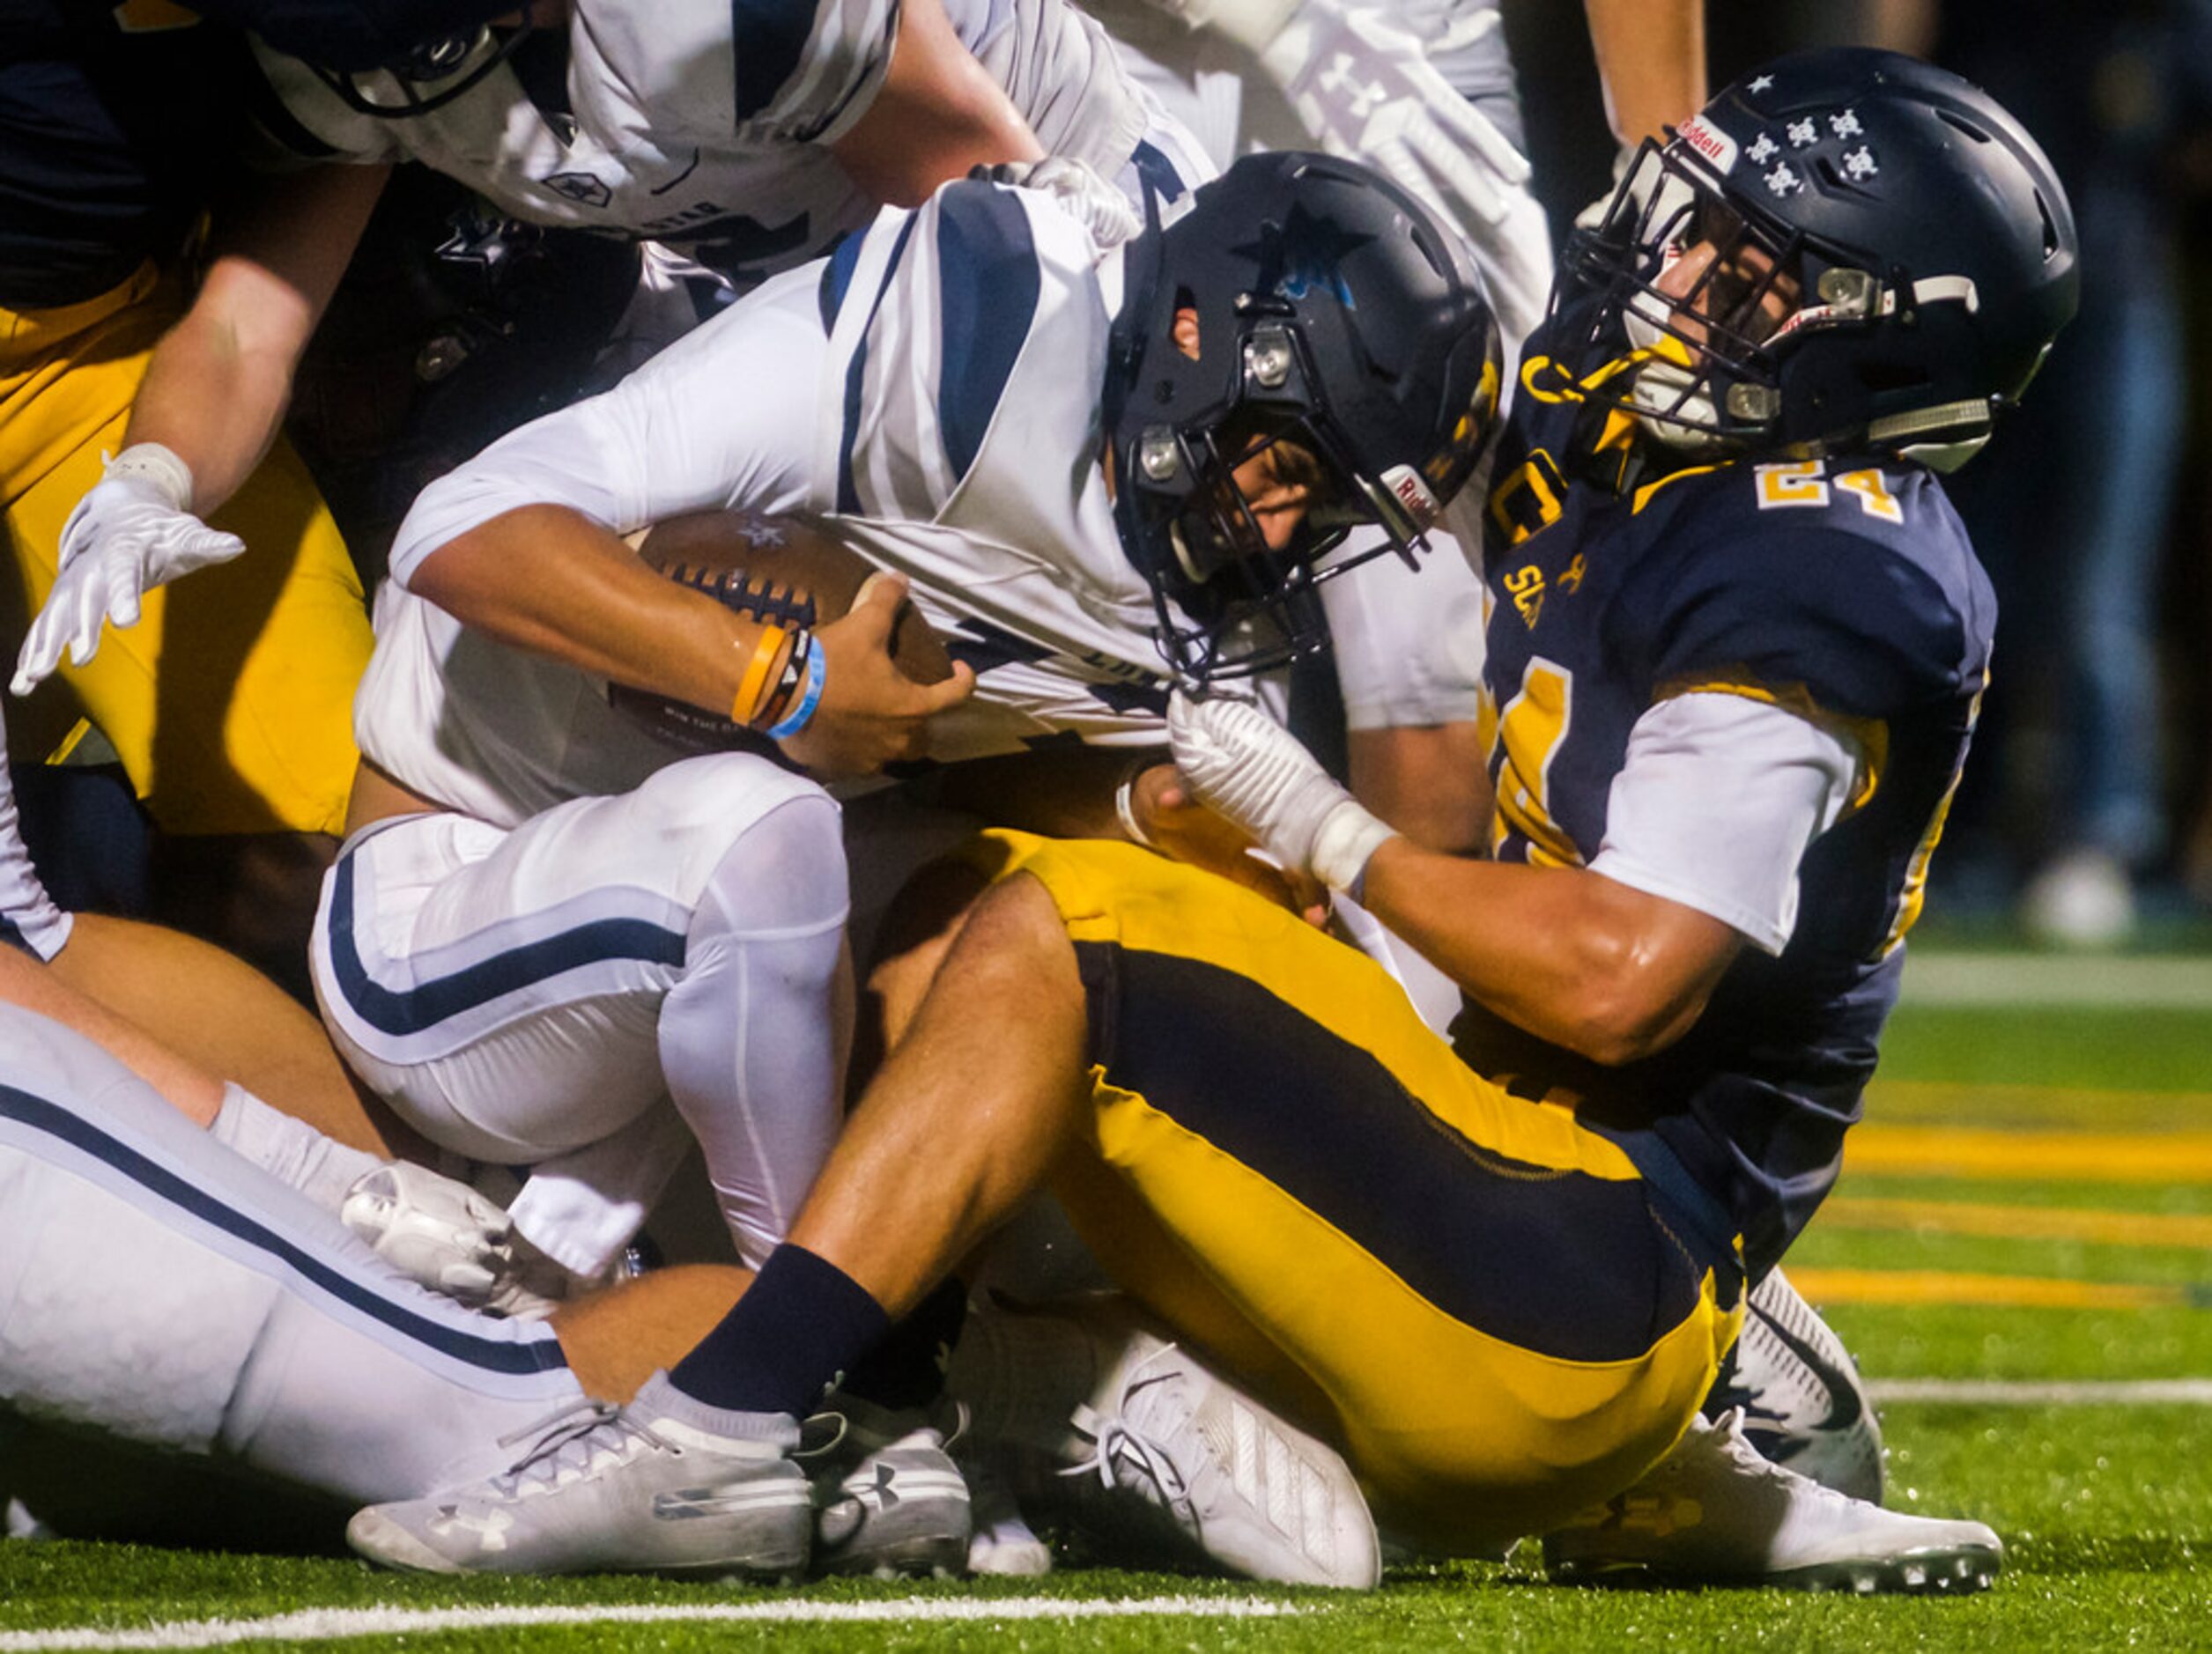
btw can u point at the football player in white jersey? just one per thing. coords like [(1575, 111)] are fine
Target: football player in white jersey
[(639, 121), (179, 1275), (555, 940)]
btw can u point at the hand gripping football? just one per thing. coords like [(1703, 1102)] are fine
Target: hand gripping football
[(776, 570)]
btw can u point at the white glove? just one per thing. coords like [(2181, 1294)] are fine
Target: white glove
[(443, 1235), (132, 531), (1096, 204), (1248, 768), (1362, 85)]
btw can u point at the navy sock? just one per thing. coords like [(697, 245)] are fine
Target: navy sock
[(906, 1367), (802, 1323)]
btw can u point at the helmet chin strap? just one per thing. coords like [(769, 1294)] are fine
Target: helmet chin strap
[(1671, 401)]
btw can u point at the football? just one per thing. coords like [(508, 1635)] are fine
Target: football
[(773, 569)]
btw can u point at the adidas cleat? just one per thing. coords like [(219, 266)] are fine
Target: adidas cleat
[(666, 1485), (1715, 1512), (1168, 1456), (889, 1501)]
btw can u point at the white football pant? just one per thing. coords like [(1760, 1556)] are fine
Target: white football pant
[(158, 1287), (584, 993)]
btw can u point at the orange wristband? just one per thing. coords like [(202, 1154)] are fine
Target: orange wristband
[(752, 687)]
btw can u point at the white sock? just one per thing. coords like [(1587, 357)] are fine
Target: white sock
[(319, 1167)]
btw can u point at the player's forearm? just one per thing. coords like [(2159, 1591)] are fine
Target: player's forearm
[(213, 401), (939, 114), (1651, 55), (1430, 781), (218, 383), (549, 580), (1569, 954)]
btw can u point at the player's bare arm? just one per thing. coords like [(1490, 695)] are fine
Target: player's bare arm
[(1651, 55), (939, 114), (218, 385), (590, 603), (1572, 956)]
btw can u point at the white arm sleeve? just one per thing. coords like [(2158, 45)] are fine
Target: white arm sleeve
[(1409, 641), (27, 913), (1718, 802), (726, 415)]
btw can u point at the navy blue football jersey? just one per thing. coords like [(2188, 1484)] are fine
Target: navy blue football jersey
[(1841, 588), (116, 122)]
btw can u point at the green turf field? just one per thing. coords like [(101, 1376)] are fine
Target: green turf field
[(2031, 1204)]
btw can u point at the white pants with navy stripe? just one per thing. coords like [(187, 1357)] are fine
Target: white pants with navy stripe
[(158, 1287), (585, 993)]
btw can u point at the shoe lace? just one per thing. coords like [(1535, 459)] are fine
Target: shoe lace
[(1123, 1457), (564, 1442), (1731, 1442)]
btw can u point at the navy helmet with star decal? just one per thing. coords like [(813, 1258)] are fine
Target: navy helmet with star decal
[(1888, 256), (1324, 311)]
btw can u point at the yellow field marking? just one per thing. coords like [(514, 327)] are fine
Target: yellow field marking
[(2088, 1102), (2018, 1222), (2007, 1292), (1931, 1151)]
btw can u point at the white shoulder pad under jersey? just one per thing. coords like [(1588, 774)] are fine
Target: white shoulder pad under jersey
[(960, 444), (699, 123)]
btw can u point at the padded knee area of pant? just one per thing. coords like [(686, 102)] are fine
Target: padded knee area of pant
[(786, 875)]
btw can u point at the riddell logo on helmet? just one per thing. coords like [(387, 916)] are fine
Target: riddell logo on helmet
[(1709, 141), (1407, 488)]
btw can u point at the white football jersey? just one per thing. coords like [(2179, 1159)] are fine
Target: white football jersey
[(661, 120), (931, 394)]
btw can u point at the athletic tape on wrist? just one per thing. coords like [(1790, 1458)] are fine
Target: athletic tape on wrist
[(158, 464), (1348, 840), (1125, 804)]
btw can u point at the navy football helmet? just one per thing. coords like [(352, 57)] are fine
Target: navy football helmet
[(432, 51), (1881, 257), (1336, 315)]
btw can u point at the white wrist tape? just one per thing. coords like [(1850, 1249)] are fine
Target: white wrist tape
[(1347, 838), (151, 463)]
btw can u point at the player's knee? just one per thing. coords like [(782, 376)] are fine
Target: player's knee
[(1016, 927), (784, 874)]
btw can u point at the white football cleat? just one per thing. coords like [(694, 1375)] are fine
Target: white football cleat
[(1001, 1544), (1166, 1454), (1714, 1512), (889, 1501), (666, 1485), (1803, 1402)]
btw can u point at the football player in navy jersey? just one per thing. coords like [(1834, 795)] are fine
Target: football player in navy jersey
[(1736, 645)]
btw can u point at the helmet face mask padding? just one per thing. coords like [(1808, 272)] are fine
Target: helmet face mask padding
[(433, 71), (1303, 304), (1931, 245)]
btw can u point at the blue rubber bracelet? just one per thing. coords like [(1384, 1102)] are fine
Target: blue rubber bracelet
[(818, 673)]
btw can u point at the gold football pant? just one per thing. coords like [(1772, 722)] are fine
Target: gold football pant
[(1485, 1302), (230, 702)]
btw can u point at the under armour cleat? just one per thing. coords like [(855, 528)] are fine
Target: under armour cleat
[(889, 1501), (1167, 1456), (666, 1484), (1804, 1403), (1714, 1512)]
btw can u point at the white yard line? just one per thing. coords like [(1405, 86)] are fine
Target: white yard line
[(2009, 1393), (318, 1625), (1943, 977)]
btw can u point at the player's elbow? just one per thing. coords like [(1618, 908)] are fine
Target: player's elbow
[(1634, 1002)]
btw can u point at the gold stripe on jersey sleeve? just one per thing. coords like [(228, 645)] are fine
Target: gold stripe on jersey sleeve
[(1870, 736)]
